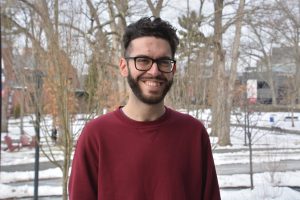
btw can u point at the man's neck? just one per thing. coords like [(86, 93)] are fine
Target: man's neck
[(140, 111)]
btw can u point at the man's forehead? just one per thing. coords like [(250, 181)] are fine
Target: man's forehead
[(149, 44)]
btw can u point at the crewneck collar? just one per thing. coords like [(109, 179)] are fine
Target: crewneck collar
[(121, 115)]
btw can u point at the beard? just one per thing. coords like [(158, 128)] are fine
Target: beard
[(139, 93)]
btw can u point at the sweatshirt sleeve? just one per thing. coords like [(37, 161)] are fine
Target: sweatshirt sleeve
[(211, 189), (83, 182)]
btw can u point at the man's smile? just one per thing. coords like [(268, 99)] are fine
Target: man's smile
[(153, 83)]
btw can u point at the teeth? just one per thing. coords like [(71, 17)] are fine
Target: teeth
[(152, 83)]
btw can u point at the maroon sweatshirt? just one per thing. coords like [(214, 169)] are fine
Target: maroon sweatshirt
[(117, 158)]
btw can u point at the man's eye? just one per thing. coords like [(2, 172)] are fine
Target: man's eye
[(142, 60), (164, 62)]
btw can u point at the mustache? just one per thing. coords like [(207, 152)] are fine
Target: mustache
[(158, 78)]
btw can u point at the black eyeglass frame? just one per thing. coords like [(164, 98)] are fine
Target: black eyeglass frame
[(157, 61)]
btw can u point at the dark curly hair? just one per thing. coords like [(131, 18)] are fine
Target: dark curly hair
[(151, 26)]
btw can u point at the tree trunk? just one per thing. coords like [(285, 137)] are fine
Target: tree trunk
[(271, 81), (118, 27), (22, 110), (297, 76), (233, 73), (219, 96), (7, 71), (251, 161), (4, 111)]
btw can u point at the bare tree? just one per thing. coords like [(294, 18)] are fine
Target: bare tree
[(218, 109), (118, 11), (103, 40), (275, 25), (233, 73), (155, 9), (7, 42), (224, 85), (60, 79), (287, 24), (193, 52), (248, 121), (7, 74), (260, 45), (290, 15)]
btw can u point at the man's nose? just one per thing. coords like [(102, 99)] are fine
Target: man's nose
[(154, 69)]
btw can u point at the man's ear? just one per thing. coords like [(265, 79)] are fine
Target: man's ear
[(174, 69), (123, 67)]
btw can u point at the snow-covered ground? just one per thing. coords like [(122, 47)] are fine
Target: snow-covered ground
[(269, 146)]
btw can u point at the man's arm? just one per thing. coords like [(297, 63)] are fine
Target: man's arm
[(211, 189), (83, 182)]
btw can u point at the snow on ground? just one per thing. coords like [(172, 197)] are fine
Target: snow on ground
[(10, 177), (264, 187), (25, 155), (268, 145), (264, 192)]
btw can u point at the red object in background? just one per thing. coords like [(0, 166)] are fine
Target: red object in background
[(252, 100)]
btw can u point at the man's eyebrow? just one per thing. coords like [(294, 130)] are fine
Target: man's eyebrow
[(159, 58), (164, 57), (143, 56)]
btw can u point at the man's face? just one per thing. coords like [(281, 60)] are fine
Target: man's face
[(150, 87)]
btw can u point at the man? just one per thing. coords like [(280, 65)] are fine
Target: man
[(145, 150)]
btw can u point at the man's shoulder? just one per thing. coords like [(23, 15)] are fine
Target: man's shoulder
[(184, 117), (182, 114), (100, 124), (103, 119), (188, 124)]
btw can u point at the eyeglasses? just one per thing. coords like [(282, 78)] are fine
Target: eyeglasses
[(143, 63)]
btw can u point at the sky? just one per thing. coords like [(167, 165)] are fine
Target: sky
[(265, 188)]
